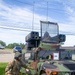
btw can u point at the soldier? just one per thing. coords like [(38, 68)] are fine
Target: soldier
[(13, 68)]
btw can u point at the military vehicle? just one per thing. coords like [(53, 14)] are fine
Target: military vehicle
[(43, 54)]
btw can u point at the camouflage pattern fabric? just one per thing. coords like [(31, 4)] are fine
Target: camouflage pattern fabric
[(13, 68)]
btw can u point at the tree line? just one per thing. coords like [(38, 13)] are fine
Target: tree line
[(12, 45)]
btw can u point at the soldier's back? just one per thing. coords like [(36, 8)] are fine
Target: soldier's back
[(13, 68)]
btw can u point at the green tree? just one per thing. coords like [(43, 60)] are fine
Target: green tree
[(2, 43), (22, 45), (12, 45)]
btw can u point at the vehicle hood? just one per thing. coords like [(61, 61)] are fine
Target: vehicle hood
[(63, 66)]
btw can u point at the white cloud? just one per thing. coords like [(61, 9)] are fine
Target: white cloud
[(69, 40), (67, 28), (17, 16), (70, 10), (11, 36), (70, 31)]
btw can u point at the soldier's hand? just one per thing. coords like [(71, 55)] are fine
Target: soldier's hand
[(9, 74)]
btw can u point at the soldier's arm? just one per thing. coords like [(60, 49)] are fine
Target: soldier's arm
[(23, 64)]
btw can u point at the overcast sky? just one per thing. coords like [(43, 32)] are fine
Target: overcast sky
[(18, 14)]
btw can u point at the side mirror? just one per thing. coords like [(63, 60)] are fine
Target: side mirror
[(62, 38)]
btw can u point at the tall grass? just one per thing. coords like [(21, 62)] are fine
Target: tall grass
[(2, 68)]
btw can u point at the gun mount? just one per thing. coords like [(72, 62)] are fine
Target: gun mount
[(33, 40), (49, 35)]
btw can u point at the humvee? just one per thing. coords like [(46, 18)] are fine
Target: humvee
[(43, 55)]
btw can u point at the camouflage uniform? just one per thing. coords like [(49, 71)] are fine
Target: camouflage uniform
[(14, 67)]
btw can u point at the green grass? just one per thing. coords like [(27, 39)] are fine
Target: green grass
[(2, 68)]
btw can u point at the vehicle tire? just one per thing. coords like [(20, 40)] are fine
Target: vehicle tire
[(43, 74)]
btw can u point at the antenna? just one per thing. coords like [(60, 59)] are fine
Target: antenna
[(47, 15), (33, 17), (47, 11)]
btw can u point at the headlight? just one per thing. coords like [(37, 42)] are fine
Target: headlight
[(54, 73)]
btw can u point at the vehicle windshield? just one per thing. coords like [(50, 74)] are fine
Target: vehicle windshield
[(49, 32), (54, 55), (43, 54), (19, 48)]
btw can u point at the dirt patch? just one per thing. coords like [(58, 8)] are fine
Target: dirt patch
[(5, 51), (6, 55)]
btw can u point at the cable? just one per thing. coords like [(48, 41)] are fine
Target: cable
[(15, 29), (35, 23), (33, 16), (25, 30), (68, 34), (18, 29), (16, 26), (47, 11)]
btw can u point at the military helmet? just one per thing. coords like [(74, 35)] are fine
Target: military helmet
[(18, 54)]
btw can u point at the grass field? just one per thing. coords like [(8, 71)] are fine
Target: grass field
[(2, 68), (6, 49)]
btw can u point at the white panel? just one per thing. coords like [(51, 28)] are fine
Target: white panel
[(55, 56)]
